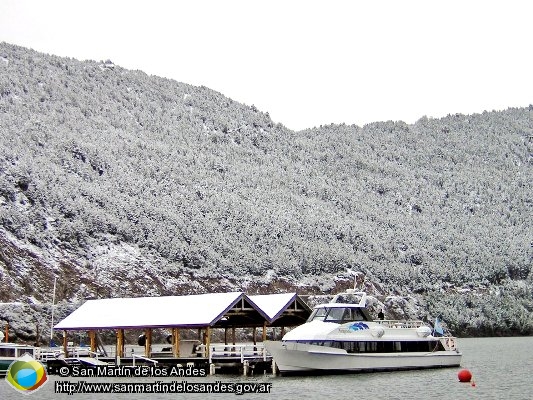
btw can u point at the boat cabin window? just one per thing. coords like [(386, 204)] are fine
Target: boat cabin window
[(337, 314), (7, 352), (334, 314), (380, 346), (317, 314)]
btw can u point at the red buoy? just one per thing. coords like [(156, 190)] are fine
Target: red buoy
[(464, 375)]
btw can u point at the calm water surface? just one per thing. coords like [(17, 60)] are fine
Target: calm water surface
[(502, 369)]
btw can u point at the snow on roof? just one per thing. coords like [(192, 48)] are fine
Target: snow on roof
[(140, 312), (273, 304)]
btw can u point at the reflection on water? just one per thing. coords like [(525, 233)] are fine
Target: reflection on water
[(501, 368)]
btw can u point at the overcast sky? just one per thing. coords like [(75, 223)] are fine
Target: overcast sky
[(306, 62)]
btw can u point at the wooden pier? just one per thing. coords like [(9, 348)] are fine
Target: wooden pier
[(242, 359)]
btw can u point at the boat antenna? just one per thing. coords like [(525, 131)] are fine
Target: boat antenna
[(53, 306), (355, 275)]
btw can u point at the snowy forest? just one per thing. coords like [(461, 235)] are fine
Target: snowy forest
[(123, 184)]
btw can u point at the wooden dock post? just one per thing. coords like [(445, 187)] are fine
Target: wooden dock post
[(65, 347), (175, 342), (264, 331), (148, 342), (207, 341), (92, 340), (120, 343)]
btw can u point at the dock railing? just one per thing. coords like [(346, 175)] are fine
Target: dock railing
[(78, 352), (135, 356), (240, 352)]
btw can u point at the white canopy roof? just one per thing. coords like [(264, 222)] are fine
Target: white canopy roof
[(273, 304), (182, 311), (155, 312)]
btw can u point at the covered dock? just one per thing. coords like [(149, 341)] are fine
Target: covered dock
[(270, 314)]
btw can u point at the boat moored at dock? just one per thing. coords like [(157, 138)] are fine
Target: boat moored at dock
[(10, 352), (341, 337)]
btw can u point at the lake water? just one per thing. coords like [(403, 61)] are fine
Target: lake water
[(502, 368)]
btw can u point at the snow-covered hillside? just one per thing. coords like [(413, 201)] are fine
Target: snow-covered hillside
[(124, 184)]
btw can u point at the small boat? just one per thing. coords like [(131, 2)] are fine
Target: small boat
[(341, 337), (10, 352)]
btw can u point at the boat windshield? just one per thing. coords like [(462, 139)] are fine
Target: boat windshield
[(337, 314)]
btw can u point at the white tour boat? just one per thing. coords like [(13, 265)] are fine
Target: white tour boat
[(342, 337)]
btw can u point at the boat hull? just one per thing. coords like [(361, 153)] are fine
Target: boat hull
[(291, 357), (4, 365)]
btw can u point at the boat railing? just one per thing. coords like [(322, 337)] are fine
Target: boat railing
[(394, 323), (240, 351)]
